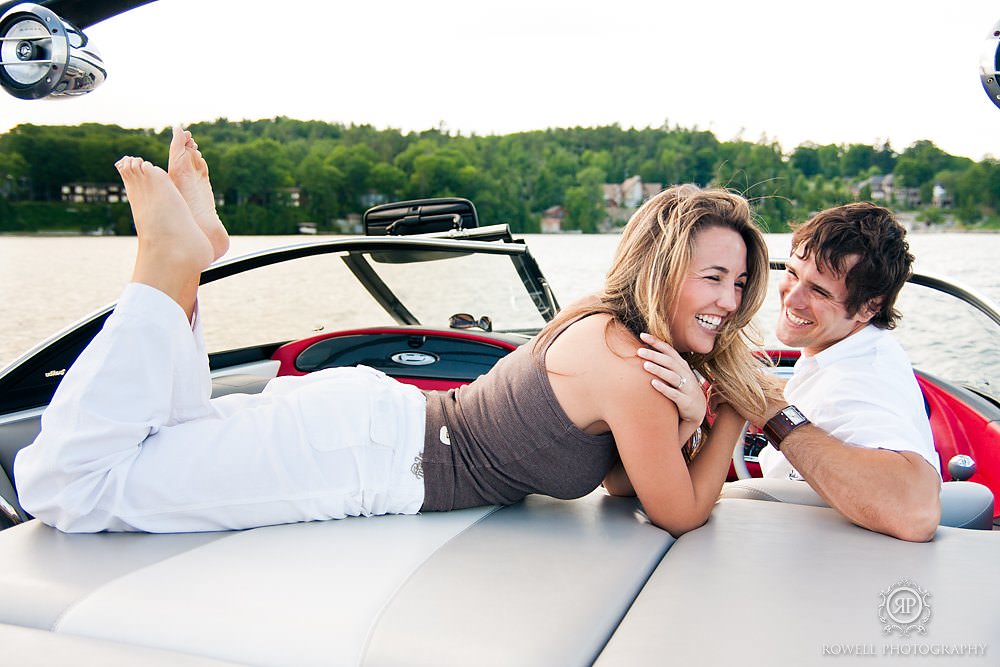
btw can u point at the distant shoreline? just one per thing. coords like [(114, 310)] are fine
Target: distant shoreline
[(305, 237)]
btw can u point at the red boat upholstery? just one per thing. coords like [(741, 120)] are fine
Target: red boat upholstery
[(959, 429)]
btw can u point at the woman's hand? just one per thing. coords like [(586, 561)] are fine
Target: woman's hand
[(673, 378)]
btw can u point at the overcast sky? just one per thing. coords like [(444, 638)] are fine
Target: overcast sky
[(795, 71)]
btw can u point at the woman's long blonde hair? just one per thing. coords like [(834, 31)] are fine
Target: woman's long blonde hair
[(652, 263)]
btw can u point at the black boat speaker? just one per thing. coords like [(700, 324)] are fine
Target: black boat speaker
[(44, 56), (989, 65)]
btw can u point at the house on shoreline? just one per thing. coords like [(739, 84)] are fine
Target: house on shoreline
[(884, 189), (622, 199), (552, 219), (94, 193)]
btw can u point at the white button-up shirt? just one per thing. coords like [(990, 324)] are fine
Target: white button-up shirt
[(861, 391)]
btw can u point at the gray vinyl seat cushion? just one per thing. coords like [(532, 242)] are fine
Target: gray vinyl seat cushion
[(784, 584), (963, 504), (470, 587), (543, 582), (966, 505), (26, 646), (773, 490)]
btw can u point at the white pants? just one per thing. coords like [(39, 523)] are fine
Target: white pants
[(132, 441)]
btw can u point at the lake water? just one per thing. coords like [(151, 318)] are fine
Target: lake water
[(46, 283)]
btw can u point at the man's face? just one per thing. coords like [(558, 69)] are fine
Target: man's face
[(813, 316)]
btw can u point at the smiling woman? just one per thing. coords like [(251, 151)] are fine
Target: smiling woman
[(687, 258), (351, 441), (682, 249)]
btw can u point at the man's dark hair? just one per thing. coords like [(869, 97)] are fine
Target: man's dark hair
[(870, 232)]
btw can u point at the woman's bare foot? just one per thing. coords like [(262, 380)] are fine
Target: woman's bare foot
[(173, 250), (189, 172)]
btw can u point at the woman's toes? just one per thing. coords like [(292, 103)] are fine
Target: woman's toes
[(150, 168), (127, 166)]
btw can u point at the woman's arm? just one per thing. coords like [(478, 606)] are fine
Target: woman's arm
[(601, 385), (677, 497), (674, 379), (617, 483), (711, 467)]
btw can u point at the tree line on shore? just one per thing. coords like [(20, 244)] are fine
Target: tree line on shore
[(330, 171)]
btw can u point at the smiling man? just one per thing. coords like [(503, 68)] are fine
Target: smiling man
[(852, 423), (868, 451)]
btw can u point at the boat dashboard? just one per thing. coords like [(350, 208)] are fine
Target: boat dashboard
[(428, 358)]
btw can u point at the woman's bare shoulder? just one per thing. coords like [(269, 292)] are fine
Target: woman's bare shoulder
[(596, 346), (592, 336)]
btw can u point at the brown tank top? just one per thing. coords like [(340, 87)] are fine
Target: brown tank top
[(504, 436)]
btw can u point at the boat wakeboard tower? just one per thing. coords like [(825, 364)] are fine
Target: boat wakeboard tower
[(989, 65)]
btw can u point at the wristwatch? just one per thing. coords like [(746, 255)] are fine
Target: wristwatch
[(780, 425)]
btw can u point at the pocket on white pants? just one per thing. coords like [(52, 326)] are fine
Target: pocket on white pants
[(349, 407), (336, 409)]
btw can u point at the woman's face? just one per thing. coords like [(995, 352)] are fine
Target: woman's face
[(712, 291)]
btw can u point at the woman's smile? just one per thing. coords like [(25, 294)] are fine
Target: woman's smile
[(712, 291)]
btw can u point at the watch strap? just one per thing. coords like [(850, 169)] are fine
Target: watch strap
[(784, 422)]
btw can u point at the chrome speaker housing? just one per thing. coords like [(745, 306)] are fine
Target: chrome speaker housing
[(44, 56), (989, 65)]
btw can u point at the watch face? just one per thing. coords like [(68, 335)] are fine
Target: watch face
[(794, 416)]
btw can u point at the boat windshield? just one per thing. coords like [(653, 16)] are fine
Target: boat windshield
[(949, 338), (435, 286), (293, 293)]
